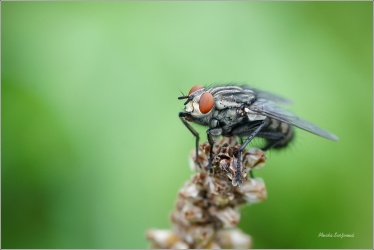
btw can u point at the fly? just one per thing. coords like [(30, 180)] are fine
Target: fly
[(246, 112)]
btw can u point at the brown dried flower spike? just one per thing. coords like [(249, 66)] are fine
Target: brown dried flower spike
[(207, 210)]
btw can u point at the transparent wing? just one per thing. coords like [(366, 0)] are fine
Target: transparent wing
[(267, 108), (268, 95)]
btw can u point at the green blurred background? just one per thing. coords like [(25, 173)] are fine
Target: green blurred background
[(93, 152)]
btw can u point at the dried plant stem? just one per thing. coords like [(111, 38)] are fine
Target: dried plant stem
[(207, 209)]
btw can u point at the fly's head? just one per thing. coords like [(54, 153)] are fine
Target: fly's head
[(199, 105)]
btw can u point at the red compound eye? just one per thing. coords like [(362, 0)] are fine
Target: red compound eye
[(194, 88), (206, 102)]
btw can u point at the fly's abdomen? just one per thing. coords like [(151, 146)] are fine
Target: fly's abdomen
[(277, 134)]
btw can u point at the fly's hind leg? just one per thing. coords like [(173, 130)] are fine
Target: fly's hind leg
[(254, 129), (273, 139), (271, 144), (250, 171)]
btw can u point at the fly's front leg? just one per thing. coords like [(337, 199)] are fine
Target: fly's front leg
[(212, 132), (193, 131), (238, 176), (211, 143)]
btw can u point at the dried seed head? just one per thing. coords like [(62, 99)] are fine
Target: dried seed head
[(180, 245), (196, 235), (192, 213), (190, 191), (224, 163), (233, 239), (207, 210), (254, 190), (228, 216), (161, 238), (254, 158)]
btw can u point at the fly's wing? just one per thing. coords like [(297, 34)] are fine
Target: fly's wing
[(268, 96), (267, 108)]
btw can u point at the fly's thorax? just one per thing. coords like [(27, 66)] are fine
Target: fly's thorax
[(224, 104), (226, 119), (231, 96), (253, 115)]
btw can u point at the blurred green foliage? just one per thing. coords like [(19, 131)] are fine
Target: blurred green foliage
[(93, 152)]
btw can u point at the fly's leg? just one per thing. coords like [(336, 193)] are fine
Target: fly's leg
[(211, 143), (238, 176), (247, 128), (217, 131), (193, 131), (241, 140), (273, 139), (250, 171)]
